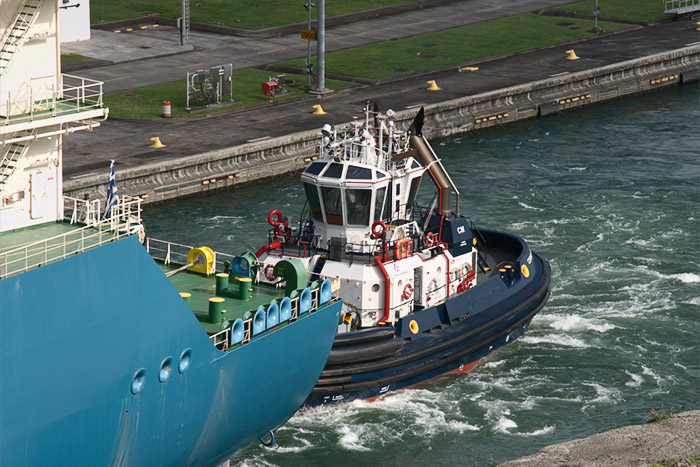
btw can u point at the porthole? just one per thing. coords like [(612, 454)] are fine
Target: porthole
[(185, 358), (165, 369), (139, 381), (375, 287)]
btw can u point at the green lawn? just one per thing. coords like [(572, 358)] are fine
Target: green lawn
[(247, 90), (456, 46), (70, 58), (246, 14), (641, 10)]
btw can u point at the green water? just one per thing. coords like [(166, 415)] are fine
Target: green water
[(609, 195)]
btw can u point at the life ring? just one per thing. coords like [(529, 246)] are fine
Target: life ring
[(407, 291), (378, 228), (269, 272), (402, 248), (430, 239), (274, 214)]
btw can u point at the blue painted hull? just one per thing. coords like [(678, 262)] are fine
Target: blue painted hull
[(85, 343), (453, 335)]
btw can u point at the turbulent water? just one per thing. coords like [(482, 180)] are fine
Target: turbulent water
[(609, 195)]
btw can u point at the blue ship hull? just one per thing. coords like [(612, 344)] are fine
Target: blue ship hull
[(102, 363), (453, 336)]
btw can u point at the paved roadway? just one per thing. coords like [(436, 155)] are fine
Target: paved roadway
[(127, 141)]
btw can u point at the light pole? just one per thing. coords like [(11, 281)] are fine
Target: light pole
[(595, 16), (308, 7), (321, 47)]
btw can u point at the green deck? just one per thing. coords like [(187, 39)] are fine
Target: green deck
[(25, 249), (203, 288)]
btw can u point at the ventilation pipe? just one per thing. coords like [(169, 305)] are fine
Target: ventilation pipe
[(437, 172)]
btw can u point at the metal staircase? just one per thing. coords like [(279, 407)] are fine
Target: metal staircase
[(18, 33), (13, 152)]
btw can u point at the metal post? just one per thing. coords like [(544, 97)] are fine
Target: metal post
[(595, 16), (321, 47), (308, 7)]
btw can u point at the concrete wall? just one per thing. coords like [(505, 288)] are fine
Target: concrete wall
[(225, 168)]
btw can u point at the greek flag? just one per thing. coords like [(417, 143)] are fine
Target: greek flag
[(112, 195)]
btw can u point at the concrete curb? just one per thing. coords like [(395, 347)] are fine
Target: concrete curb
[(224, 168)]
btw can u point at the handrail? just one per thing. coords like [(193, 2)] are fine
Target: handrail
[(119, 225), (72, 95)]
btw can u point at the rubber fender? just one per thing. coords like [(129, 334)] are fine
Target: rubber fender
[(237, 332), (364, 352), (259, 321), (204, 259), (363, 336), (273, 315), (305, 300), (285, 309), (326, 292)]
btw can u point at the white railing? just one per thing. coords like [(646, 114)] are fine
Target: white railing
[(44, 99), (681, 6), (82, 211), (170, 252), (125, 221), (222, 339)]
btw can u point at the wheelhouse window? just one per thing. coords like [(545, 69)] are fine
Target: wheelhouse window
[(358, 173), (333, 203), (315, 168), (358, 205), (314, 201), (334, 170), (379, 203)]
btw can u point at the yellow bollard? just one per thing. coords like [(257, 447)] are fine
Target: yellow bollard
[(572, 55), (156, 143), (318, 110), (433, 86)]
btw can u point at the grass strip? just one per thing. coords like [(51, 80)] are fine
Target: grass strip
[(247, 91), (245, 14), (638, 10), (456, 46)]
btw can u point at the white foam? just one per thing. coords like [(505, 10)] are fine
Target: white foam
[(504, 425), (555, 339), (531, 208), (542, 431), (636, 380), (686, 277), (576, 169), (578, 323), (350, 439)]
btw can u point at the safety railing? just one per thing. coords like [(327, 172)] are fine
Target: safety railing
[(81, 211), (122, 223), (681, 6), (43, 98), (176, 253), (222, 339)]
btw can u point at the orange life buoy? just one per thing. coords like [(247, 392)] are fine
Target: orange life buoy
[(402, 248), (430, 239), (274, 218), (269, 272), (378, 228), (407, 291)]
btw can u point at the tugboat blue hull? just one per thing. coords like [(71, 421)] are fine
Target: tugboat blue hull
[(102, 363), (448, 337)]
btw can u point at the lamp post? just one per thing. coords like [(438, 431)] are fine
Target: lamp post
[(595, 16), (308, 7), (321, 47)]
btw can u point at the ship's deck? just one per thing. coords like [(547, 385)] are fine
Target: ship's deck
[(202, 288), (31, 247)]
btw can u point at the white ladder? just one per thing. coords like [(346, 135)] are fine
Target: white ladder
[(18, 33)]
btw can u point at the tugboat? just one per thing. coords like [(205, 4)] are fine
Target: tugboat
[(425, 292), (110, 355)]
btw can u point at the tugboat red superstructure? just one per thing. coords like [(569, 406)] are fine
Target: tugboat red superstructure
[(424, 291)]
